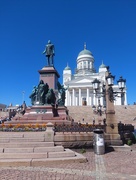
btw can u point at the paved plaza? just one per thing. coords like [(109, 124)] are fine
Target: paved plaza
[(113, 165)]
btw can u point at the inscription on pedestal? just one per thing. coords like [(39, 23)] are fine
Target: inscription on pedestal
[(43, 111)]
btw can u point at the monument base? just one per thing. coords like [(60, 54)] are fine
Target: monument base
[(50, 76), (38, 114)]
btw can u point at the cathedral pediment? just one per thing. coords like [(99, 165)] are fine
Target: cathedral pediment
[(81, 80)]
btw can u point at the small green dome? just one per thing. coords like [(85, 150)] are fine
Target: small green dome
[(102, 66), (67, 68)]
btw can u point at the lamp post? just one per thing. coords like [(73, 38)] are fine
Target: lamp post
[(99, 110), (121, 83), (98, 94), (111, 121), (23, 96), (109, 95)]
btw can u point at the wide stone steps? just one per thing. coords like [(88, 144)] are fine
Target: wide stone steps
[(31, 149), (42, 161), (125, 114), (25, 144), (9, 154), (22, 140)]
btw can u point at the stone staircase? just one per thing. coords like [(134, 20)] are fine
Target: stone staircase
[(79, 112), (125, 114), (32, 149), (35, 148)]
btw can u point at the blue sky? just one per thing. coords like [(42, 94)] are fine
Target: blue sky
[(107, 26)]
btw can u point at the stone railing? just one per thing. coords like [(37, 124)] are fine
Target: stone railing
[(77, 127), (71, 136)]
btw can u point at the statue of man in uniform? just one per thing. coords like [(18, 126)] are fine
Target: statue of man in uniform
[(50, 53)]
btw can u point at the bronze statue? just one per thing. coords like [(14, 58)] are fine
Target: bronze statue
[(50, 97), (50, 53), (62, 92), (42, 95), (33, 95), (42, 91), (39, 92)]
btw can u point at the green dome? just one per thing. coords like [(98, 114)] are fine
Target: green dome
[(85, 52), (102, 66), (67, 68)]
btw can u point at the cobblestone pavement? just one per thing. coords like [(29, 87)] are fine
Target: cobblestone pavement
[(110, 166)]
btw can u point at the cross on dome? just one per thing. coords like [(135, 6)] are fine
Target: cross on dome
[(84, 45)]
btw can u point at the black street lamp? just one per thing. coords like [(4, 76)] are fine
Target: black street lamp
[(121, 83), (96, 84), (107, 90), (110, 79), (99, 109), (109, 95)]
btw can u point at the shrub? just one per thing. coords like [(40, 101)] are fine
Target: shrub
[(10, 125), (17, 126), (29, 125), (129, 142), (83, 150), (3, 125)]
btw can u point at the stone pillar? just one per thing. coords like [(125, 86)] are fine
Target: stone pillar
[(49, 133), (94, 98), (87, 97), (101, 98), (80, 103), (125, 98), (70, 99), (66, 101), (76, 101), (73, 97), (111, 121)]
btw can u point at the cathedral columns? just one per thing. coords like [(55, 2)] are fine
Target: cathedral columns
[(94, 98), (87, 95), (70, 99), (66, 101), (79, 91), (73, 97), (125, 103)]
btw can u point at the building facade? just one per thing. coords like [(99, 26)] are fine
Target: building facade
[(79, 85)]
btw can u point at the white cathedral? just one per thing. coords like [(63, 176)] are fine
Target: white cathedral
[(79, 85)]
